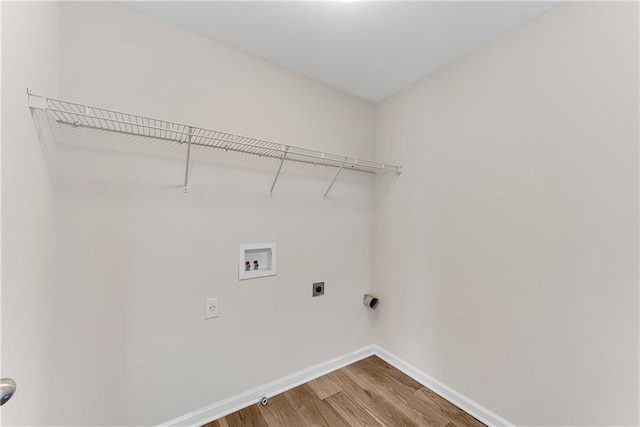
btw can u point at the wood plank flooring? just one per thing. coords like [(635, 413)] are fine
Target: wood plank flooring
[(367, 393)]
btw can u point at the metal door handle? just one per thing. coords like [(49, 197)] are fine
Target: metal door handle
[(7, 389)]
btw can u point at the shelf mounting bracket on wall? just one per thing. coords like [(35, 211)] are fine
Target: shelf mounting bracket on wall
[(186, 172), (285, 148), (335, 177)]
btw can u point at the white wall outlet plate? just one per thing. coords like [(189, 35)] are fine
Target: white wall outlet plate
[(211, 308)]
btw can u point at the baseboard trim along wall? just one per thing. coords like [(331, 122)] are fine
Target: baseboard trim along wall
[(458, 399), (250, 397)]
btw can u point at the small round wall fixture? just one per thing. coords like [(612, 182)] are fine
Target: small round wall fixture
[(370, 301)]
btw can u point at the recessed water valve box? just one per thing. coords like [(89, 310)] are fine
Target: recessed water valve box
[(256, 260)]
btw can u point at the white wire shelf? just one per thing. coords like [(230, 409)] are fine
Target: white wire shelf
[(70, 114)]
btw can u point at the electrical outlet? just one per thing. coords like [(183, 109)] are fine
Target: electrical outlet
[(318, 289), (211, 308)]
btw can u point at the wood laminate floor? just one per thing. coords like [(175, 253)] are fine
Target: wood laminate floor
[(367, 393)]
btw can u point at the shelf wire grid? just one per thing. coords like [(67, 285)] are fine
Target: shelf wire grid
[(84, 116)]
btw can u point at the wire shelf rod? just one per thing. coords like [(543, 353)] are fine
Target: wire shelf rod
[(119, 125), (77, 115), (322, 156), (274, 156), (186, 173), (335, 177), (275, 179)]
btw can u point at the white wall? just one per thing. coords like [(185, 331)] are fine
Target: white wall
[(29, 59), (506, 254), (136, 257)]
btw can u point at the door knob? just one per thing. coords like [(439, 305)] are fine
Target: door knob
[(7, 389)]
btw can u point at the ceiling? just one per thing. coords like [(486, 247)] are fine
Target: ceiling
[(368, 49)]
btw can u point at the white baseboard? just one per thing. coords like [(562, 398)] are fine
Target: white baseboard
[(247, 398), (469, 406)]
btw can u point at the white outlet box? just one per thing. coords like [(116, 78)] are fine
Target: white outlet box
[(211, 308)]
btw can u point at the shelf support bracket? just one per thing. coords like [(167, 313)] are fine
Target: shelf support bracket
[(275, 179), (335, 177), (186, 172), (36, 101)]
